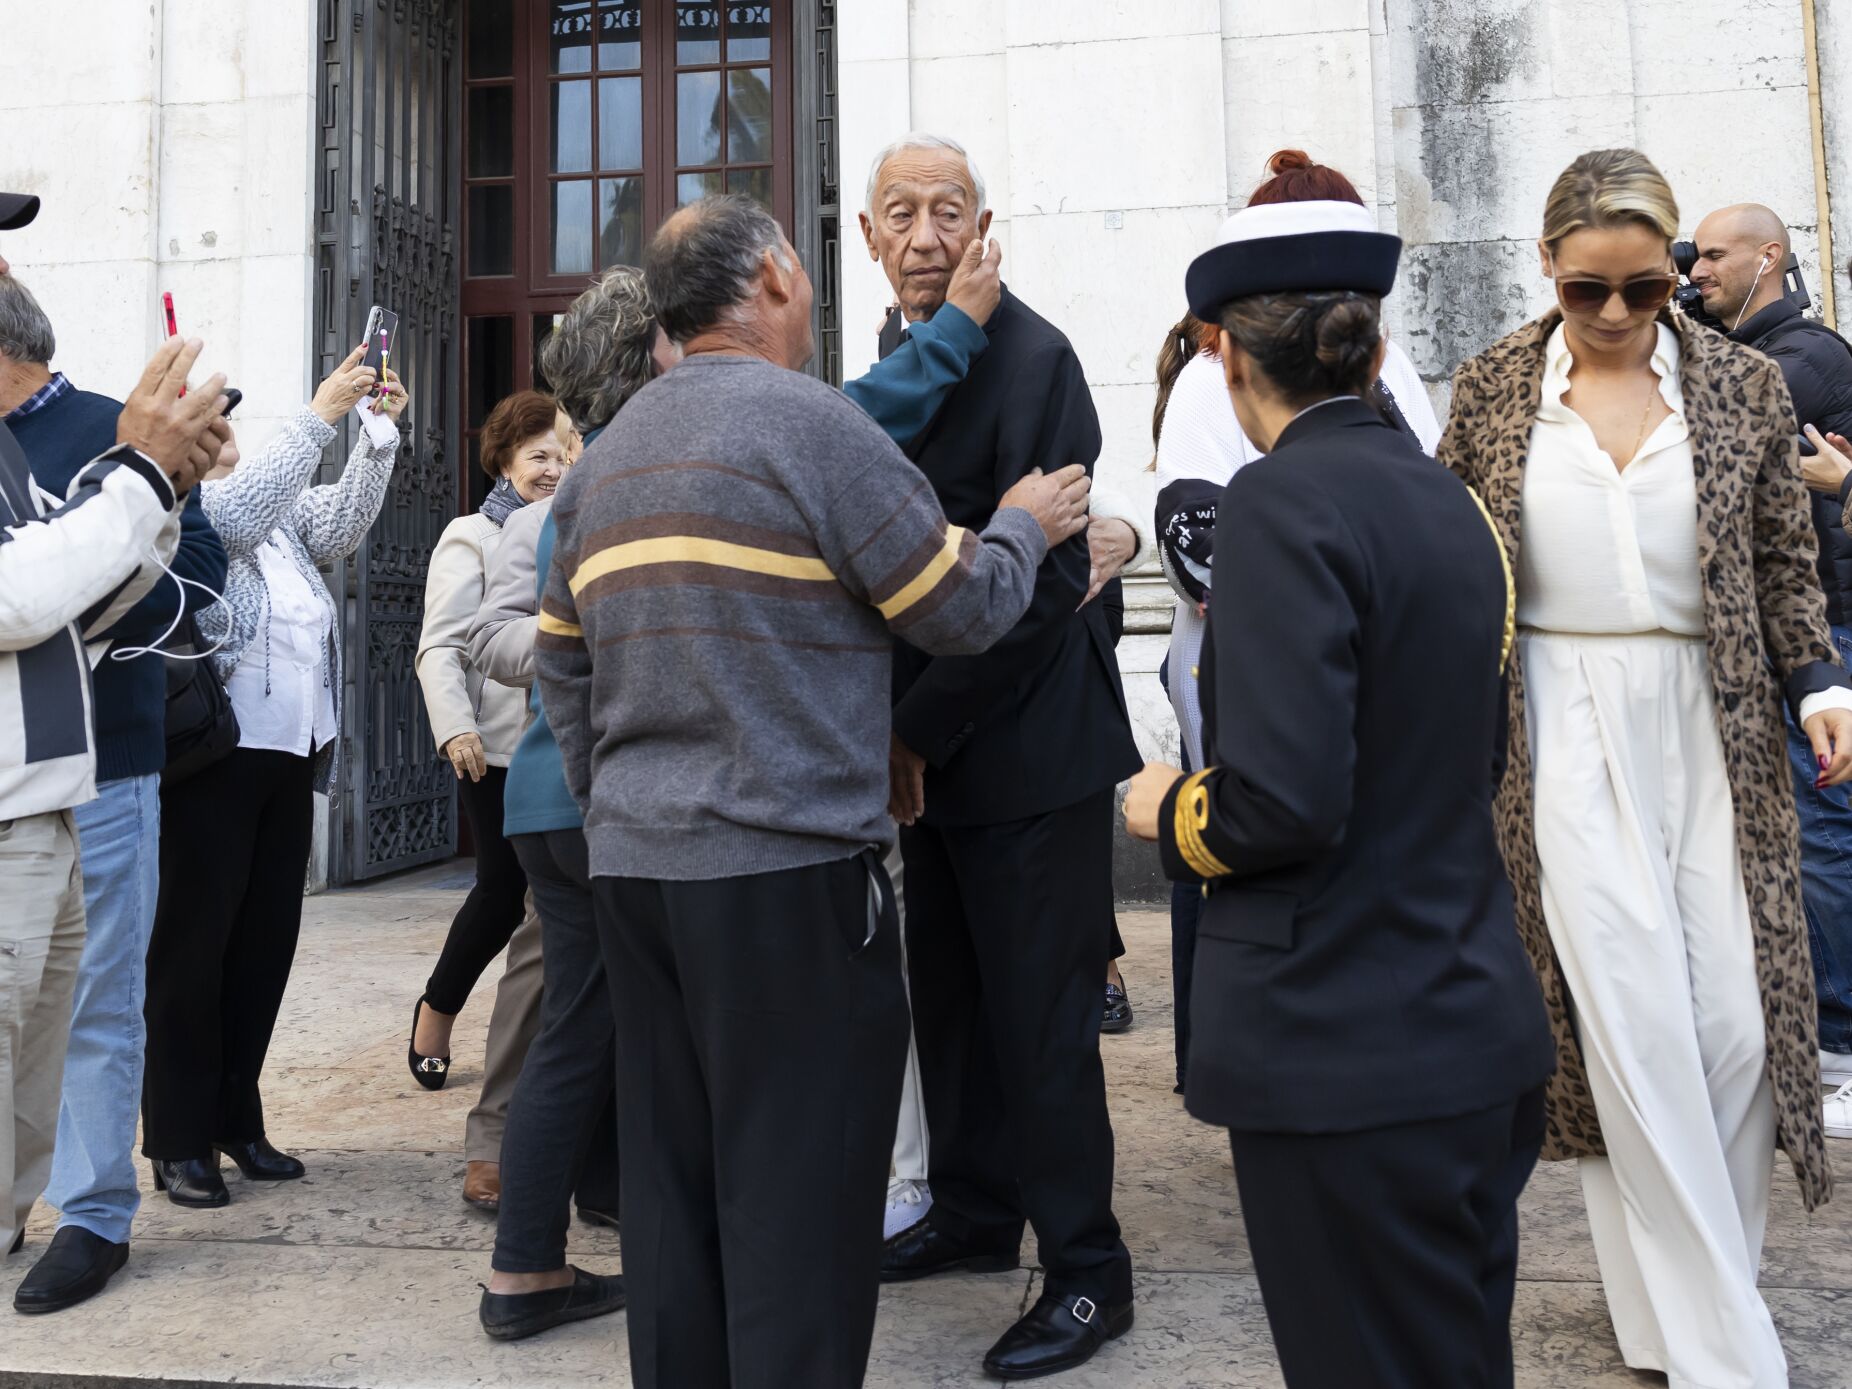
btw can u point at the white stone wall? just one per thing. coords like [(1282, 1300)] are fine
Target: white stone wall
[(172, 144)]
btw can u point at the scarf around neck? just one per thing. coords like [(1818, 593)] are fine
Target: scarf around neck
[(502, 502)]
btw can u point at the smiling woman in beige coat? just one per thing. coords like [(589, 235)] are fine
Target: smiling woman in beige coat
[(526, 447)]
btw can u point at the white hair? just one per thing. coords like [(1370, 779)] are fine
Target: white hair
[(921, 140)]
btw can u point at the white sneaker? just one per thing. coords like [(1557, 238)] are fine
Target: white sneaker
[(1838, 1113), (907, 1204), (1835, 1067)]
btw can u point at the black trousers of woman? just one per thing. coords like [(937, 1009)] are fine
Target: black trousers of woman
[(225, 929), (488, 916), (562, 1121)]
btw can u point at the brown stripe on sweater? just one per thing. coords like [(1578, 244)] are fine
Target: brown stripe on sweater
[(665, 523), (757, 638), (714, 576), (940, 593), (908, 569), (893, 516)]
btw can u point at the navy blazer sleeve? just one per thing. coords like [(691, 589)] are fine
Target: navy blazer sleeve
[(1290, 592), (1048, 424)]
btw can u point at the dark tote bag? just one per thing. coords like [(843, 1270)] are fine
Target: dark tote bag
[(201, 727)]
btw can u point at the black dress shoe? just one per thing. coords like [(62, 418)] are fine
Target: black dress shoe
[(429, 1071), (608, 1219), (75, 1266), (19, 1242), (1118, 1014), (511, 1316), (262, 1163), (923, 1249), (194, 1182), (1061, 1331)]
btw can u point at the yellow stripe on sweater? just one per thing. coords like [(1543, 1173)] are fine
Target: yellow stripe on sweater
[(928, 578), (694, 549), (554, 626)]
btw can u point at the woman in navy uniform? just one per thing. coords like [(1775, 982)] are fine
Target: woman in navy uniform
[(1367, 1025)]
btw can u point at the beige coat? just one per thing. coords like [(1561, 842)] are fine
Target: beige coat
[(456, 696), (1765, 621)]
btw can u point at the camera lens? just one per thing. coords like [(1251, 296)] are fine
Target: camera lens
[(1684, 256)]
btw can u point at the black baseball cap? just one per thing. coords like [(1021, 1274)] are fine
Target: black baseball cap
[(17, 209)]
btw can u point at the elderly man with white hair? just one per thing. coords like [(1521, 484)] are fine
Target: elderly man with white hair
[(1004, 765)]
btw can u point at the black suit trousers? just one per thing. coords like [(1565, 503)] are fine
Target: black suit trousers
[(1008, 928), (1387, 1258), (561, 1138), (761, 1035)]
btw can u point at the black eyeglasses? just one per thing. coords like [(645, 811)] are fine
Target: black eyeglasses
[(1642, 294)]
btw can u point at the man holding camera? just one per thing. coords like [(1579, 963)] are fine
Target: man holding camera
[(1740, 270)]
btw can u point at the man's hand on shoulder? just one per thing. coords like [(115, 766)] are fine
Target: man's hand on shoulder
[(1057, 500)]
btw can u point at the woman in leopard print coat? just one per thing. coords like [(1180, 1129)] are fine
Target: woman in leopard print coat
[(1678, 1234)]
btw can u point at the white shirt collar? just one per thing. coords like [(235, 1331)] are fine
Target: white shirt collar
[(1665, 363)]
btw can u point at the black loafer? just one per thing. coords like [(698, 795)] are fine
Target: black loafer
[(512, 1316), (77, 1265), (1061, 1331), (1118, 1014), (429, 1071), (262, 1163), (195, 1182), (923, 1249), (608, 1219)]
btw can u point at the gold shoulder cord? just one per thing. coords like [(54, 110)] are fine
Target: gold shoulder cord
[(1192, 819), (1511, 587)]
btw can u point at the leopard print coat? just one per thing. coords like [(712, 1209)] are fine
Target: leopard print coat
[(1765, 622)]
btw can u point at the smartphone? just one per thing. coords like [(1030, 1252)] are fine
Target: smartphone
[(172, 324), (382, 330), (232, 396)]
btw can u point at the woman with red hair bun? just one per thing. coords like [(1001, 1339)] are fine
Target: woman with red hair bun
[(1199, 448)]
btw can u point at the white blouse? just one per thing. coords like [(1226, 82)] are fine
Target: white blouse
[(283, 696), (1606, 549)]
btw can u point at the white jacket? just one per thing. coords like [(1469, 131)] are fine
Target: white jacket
[(456, 695), (68, 569)]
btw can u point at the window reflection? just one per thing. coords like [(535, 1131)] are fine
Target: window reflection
[(620, 123), (697, 32), (698, 114), (570, 34), (572, 127), (690, 187), (620, 35), (749, 115), (620, 217), (749, 33), (572, 227), (754, 183)]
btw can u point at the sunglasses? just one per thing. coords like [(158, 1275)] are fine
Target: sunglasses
[(1643, 294)]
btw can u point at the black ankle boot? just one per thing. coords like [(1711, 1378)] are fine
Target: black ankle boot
[(262, 1163), (193, 1182)]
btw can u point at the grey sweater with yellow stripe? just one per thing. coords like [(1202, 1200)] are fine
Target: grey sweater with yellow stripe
[(713, 649)]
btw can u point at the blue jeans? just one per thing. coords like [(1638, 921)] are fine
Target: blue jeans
[(93, 1167), (1826, 879)]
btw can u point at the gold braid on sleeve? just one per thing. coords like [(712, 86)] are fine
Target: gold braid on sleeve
[(1192, 818), (1511, 587)]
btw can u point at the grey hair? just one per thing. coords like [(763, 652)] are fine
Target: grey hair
[(599, 354), (922, 140), (25, 331), (702, 265)]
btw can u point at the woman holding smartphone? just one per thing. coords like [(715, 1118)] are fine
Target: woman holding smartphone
[(226, 925)]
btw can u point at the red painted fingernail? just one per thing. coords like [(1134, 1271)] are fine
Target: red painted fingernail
[(1823, 761)]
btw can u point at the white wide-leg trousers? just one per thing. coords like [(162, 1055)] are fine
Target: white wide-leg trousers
[(910, 1136), (1643, 894)]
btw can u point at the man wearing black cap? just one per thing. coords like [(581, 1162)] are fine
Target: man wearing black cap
[(70, 564), (1366, 1022)]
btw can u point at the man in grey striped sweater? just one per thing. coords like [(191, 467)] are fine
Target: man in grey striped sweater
[(714, 653)]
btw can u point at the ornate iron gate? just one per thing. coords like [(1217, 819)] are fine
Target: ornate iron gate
[(386, 227), (818, 209)]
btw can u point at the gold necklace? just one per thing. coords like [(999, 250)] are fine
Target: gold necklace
[(1652, 394)]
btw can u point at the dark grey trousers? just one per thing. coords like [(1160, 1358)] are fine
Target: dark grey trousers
[(562, 1122)]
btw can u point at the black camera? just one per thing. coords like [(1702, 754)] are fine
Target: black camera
[(1691, 299)]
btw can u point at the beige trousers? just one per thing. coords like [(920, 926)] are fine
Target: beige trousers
[(513, 1024), (41, 941)]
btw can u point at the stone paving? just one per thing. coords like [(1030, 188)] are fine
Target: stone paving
[(363, 1276)]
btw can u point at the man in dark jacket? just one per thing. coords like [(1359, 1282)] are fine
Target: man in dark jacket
[(1740, 254), (1004, 767), (60, 429)]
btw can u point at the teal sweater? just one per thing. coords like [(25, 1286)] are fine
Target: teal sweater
[(901, 393)]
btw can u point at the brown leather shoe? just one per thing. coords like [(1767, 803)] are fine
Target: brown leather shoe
[(482, 1185)]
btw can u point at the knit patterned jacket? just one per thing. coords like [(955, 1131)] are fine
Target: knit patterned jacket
[(268, 494)]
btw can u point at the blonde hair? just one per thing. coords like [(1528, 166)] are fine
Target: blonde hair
[(1607, 188)]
